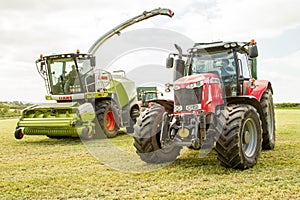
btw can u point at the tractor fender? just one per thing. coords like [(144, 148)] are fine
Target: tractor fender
[(167, 104), (250, 100), (260, 88)]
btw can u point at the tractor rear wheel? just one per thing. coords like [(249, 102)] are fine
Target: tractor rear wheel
[(268, 109), (106, 112), (239, 144), (147, 137)]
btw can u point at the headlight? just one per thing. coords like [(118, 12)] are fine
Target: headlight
[(227, 45), (193, 107), (177, 108), (194, 85)]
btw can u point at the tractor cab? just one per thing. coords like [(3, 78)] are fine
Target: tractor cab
[(210, 73), (233, 62), (66, 74)]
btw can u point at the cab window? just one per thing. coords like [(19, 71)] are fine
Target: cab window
[(244, 68)]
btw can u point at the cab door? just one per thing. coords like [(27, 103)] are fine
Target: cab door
[(245, 73)]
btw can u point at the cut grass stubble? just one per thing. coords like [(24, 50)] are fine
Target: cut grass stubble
[(40, 167)]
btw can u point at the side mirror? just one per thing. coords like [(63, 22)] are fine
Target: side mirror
[(42, 67), (179, 69), (253, 52), (169, 62), (93, 61)]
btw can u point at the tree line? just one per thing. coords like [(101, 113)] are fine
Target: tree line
[(12, 109)]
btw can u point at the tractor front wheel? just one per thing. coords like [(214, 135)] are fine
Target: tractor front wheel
[(147, 138), (107, 117), (239, 144)]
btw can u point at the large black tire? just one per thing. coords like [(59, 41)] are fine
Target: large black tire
[(106, 112), (240, 141), (268, 109), (147, 138)]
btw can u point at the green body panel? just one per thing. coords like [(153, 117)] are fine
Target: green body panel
[(125, 90), (254, 67), (46, 122)]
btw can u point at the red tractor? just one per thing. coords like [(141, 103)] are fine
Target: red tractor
[(218, 103)]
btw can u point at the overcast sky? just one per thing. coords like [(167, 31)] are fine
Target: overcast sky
[(31, 27)]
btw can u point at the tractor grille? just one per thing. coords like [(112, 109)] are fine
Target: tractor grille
[(186, 97)]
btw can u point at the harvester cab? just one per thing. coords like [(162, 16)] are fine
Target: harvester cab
[(66, 74), (218, 103), (84, 95)]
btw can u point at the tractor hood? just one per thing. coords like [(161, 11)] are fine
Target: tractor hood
[(196, 80)]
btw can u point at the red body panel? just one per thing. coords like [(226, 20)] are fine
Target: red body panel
[(260, 88), (212, 94)]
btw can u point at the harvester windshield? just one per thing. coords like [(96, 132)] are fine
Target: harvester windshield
[(66, 73)]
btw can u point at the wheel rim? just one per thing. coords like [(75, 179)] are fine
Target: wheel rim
[(249, 138), (110, 121)]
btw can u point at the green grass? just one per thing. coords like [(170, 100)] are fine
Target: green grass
[(37, 167)]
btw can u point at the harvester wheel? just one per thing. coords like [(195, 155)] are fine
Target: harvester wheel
[(18, 134), (268, 109), (107, 117), (240, 141), (147, 137)]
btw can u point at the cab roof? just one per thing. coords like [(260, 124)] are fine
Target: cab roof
[(218, 46)]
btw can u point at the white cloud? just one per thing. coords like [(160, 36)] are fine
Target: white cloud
[(31, 27), (266, 18), (283, 72)]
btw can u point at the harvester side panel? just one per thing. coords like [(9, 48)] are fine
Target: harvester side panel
[(125, 90)]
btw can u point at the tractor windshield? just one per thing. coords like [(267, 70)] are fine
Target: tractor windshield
[(66, 75), (221, 63)]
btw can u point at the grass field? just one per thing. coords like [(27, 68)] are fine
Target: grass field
[(37, 167)]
